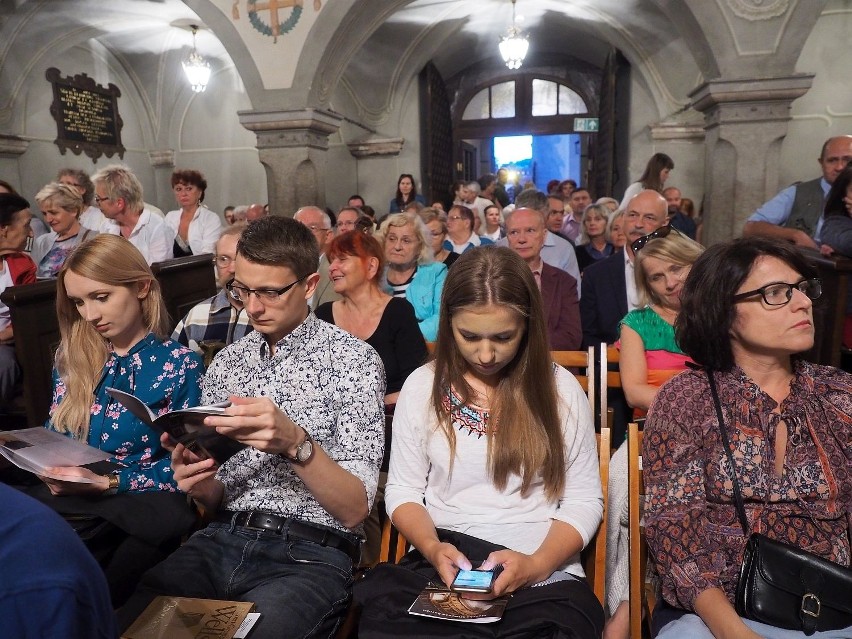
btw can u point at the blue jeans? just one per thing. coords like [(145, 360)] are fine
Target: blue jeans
[(300, 588)]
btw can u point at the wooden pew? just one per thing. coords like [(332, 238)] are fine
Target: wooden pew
[(830, 309), (33, 311), (184, 282)]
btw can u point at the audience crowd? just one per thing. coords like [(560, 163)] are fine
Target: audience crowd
[(399, 362)]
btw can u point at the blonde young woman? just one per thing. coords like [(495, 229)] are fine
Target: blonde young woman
[(62, 207), (493, 463), (112, 321)]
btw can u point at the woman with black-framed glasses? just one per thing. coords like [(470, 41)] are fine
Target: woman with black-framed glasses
[(746, 317)]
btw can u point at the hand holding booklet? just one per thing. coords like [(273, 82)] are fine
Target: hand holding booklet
[(185, 426), (42, 452)]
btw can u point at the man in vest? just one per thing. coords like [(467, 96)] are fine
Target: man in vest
[(795, 214)]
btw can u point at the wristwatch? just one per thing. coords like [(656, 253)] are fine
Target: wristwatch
[(113, 485), (304, 451)]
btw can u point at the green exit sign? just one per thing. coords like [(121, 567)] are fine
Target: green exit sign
[(586, 125)]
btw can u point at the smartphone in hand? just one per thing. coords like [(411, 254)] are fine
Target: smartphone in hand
[(474, 581)]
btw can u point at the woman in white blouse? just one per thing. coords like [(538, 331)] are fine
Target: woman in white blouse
[(196, 227), (493, 465)]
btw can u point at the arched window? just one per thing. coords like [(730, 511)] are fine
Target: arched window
[(552, 98), (526, 103)]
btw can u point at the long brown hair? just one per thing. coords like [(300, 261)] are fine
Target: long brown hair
[(82, 351), (528, 440)]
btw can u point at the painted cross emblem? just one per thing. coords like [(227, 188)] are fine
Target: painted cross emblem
[(275, 26)]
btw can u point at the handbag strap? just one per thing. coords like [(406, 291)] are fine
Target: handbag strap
[(738, 498)]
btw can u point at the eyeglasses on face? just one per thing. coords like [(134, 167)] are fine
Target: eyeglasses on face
[(99, 199), (241, 293), (780, 293), (223, 261), (663, 231), (314, 228)]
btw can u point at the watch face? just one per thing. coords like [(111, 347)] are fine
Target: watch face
[(305, 450)]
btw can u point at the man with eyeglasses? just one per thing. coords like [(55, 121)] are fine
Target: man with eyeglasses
[(307, 400), (609, 285), (347, 218), (319, 224), (216, 322), (118, 193)]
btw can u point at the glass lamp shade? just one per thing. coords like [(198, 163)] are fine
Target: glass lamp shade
[(513, 48), (197, 71)]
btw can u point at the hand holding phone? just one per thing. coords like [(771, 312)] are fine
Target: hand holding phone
[(474, 581)]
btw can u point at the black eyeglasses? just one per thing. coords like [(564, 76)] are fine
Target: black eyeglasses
[(663, 231), (98, 199), (241, 293), (780, 293)]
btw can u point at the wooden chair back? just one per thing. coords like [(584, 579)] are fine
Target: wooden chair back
[(586, 370), (594, 556), (638, 552)]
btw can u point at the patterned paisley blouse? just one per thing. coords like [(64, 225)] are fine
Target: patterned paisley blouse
[(164, 375), (693, 532)]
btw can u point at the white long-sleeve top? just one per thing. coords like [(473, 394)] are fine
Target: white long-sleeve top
[(467, 501), (204, 229)]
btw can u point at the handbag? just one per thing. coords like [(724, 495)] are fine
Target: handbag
[(782, 585)]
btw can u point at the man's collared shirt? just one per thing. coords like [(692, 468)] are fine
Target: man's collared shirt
[(328, 382), (150, 235), (777, 210), (630, 283), (213, 320), (472, 242)]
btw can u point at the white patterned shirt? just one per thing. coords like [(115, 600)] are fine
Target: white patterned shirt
[(326, 381)]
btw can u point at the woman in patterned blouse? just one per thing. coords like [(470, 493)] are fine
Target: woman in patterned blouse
[(746, 315), (493, 463), (112, 319)]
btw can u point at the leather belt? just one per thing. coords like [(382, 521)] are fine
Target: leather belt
[(290, 528)]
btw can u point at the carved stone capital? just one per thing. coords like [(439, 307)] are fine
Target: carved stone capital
[(12, 145), (291, 128), (162, 158), (667, 131), (779, 91), (387, 147)]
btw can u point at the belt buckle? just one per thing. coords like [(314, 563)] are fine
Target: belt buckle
[(271, 525)]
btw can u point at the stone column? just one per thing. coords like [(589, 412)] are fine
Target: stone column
[(163, 163), (292, 146), (745, 122)]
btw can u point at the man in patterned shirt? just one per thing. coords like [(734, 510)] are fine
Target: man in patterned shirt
[(220, 320), (288, 509)]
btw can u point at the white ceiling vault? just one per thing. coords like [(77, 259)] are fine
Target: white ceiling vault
[(672, 44)]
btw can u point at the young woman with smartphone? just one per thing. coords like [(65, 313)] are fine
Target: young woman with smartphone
[(493, 466)]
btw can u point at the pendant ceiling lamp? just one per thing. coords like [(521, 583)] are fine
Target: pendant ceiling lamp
[(196, 68), (514, 45)]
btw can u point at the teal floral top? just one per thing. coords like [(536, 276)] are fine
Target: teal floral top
[(165, 376)]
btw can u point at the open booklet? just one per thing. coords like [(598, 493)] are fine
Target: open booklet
[(37, 449), (439, 602), (185, 426), (186, 618)]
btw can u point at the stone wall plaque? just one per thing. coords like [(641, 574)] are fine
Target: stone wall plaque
[(86, 114)]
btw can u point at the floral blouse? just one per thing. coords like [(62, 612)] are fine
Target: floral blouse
[(165, 376), (693, 532)]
